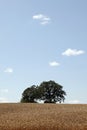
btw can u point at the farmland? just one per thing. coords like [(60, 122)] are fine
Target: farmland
[(26, 116)]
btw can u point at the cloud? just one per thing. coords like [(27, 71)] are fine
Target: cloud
[(42, 19), (3, 90), (54, 63), (3, 100), (73, 52), (74, 102), (8, 70)]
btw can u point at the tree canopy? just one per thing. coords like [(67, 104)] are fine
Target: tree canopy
[(48, 91), (29, 94)]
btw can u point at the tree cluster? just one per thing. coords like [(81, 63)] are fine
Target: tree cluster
[(48, 91)]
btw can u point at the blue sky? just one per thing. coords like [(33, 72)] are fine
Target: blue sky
[(42, 41)]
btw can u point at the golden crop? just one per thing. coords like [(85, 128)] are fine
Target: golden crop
[(29, 116)]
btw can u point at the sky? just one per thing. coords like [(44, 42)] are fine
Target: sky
[(42, 40)]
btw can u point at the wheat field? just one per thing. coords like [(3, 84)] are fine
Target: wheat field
[(29, 116)]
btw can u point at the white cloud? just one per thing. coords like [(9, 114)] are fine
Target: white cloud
[(44, 22), (8, 70), (3, 100), (38, 16), (3, 90), (54, 63), (73, 52), (42, 19), (74, 102)]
